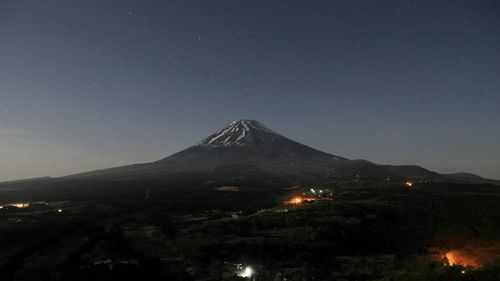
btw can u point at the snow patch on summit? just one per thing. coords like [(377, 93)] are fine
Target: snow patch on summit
[(237, 133)]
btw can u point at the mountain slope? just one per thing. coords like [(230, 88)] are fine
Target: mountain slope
[(249, 142), (470, 178)]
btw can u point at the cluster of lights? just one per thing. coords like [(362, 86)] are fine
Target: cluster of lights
[(245, 272), (297, 200), (319, 193), (17, 205), (409, 184), (22, 205), (309, 196)]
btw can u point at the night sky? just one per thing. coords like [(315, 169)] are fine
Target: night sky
[(94, 84)]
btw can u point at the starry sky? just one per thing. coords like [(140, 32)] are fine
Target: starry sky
[(88, 84)]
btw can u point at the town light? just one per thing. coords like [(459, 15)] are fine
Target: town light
[(457, 257), (299, 200), (247, 272)]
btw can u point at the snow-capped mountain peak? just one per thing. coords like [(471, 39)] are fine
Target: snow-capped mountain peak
[(240, 132)]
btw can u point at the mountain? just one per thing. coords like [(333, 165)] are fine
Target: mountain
[(248, 148), (248, 142), (251, 146)]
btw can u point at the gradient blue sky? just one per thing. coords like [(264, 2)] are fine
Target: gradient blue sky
[(91, 84)]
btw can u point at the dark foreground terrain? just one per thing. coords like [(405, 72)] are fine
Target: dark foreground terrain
[(362, 231)]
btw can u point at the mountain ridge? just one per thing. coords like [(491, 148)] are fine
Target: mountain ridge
[(249, 143)]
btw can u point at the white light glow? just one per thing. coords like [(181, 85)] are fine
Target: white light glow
[(247, 272), (17, 205)]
